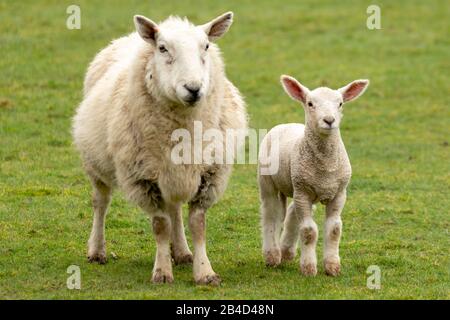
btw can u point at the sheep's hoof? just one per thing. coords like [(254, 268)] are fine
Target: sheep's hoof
[(287, 254), (99, 257), (210, 280), (273, 257), (187, 258), (308, 269), (161, 277), (332, 268)]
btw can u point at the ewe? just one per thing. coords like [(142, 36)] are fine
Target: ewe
[(137, 91), (313, 166)]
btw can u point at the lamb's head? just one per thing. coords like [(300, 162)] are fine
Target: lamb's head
[(323, 106), (182, 62)]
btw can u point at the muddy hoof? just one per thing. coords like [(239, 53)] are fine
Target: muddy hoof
[(187, 258), (272, 258), (287, 255), (161, 277), (332, 269), (309, 269), (210, 280), (99, 258)]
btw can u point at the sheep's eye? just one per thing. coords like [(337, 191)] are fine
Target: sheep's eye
[(340, 104), (162, 49), (207, 47), (310, 104)]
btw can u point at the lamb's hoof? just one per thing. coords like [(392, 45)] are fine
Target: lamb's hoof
[(210, 280), (332, 268), (161, 277), (99, 257), (273, 257), (187, 258), (287, 254), (308, 269)]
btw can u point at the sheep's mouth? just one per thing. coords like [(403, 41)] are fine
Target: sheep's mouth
[(327, 129), (191, 101)]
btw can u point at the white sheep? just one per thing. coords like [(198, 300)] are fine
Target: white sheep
[(137, 91), (313, 166)]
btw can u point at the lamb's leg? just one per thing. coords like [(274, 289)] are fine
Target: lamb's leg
[(203, 272), (101, 198), (290, 235), (333, 230), (162, 270), (180, 249), (272, 217), (308, 234)]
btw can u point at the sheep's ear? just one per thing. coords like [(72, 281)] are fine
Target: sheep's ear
[(146, 28), (354, 89), (294, 88), (218, 26)]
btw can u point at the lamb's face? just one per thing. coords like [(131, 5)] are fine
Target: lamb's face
[(323, 109), (181, 63), (323, 106)]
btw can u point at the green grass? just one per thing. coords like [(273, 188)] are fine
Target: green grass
[(397, 136)]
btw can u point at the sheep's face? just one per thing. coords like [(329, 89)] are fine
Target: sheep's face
[(181, 63), (323, 106)]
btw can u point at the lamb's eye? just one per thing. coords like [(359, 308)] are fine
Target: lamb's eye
[(310, 104), (162, 49), (340, 104), (207, 47)]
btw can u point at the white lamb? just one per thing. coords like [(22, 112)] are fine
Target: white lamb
[(137, 91), (313, 167)]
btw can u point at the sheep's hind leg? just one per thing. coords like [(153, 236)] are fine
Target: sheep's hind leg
[(100, 201), (333, 230), (290, 235), (272, 215), (180, 249), (162, 270)]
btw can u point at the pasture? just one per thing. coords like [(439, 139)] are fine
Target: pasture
[(397, 215)]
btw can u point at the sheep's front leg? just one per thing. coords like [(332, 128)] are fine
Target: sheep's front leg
[(162, 270), (180, 249), (100, 201), (213, 184), (333, 230), (203, 272), (308, 234)]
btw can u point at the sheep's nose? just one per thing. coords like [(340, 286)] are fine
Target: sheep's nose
[(328, 120), (193, 90)]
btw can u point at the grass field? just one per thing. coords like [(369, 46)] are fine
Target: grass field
[(397, 135)]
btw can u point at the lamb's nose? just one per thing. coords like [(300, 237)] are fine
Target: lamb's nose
[(328, 120), (193, 90)]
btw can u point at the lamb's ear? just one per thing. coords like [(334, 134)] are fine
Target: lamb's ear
[(146, 28), (354, 89), (294, 88), (218, 26)]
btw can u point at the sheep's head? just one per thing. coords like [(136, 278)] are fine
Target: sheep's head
[(323, 106), (181, 63)]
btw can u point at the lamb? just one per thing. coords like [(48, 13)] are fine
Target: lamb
[(313, 167), (137, 91)]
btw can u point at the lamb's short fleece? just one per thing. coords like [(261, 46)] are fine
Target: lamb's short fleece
[(137, 91), (313, 166)]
